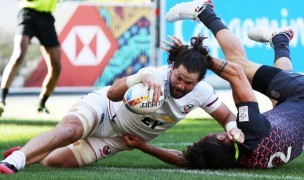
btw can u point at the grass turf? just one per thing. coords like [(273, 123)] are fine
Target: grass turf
[(135, 164)]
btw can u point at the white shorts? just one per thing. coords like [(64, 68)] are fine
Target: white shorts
[(104, 138)]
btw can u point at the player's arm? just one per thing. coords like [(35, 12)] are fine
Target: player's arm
[(118, 89), (241, 88), (235, 75), (227, 119), (169, 156)]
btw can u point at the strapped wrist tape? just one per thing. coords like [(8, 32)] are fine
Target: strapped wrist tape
[(230, 125)]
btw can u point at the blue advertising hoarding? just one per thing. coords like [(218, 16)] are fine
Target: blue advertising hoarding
[(240, 17)]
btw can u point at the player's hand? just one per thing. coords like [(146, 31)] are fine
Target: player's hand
[(175, 41), (236, 135), (153, 82), (133, 141)]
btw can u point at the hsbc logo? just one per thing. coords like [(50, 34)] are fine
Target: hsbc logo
[(86, 45)]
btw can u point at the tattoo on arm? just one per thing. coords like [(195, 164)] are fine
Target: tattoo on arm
[(222, 67)]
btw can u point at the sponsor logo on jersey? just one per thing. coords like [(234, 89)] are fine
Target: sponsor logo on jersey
[(151, 123), (243, 114), (187, 108), (106, 151), (149, 104), (275, 94)]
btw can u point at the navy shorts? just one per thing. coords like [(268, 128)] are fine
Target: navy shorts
[(277, 84), (39, 24)]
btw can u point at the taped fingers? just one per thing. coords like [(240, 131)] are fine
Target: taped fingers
[(236, 136), (151, 94)]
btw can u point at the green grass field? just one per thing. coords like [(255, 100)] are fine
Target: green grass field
[(135, 164)]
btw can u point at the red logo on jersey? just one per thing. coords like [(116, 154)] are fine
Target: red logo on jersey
[(187, 108), (106, 151)]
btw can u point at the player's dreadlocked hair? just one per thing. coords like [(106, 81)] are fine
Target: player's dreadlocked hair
[(210, 154), (195, 57)]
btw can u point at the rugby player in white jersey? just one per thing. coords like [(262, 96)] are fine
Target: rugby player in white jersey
[(94, 127)]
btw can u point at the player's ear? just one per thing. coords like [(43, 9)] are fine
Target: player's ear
[(220, 137)]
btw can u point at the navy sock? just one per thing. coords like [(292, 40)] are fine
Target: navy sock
[(211, 21), (43, 101), (281, 46), (4, 93)]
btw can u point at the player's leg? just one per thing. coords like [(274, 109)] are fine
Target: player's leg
[(79, 123), (21, 43), (50, 48), (65, 156), (273, 82), (84, 152), (52, 59), (202, 10), (231, 46), (98, 143), (279, 40), (66, 132)]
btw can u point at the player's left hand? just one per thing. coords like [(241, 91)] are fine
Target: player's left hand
[(236, 135), (175, 41)]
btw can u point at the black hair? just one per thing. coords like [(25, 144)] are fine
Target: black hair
[(195, 58), (210, 154)]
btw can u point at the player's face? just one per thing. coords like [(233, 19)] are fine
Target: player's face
[(182, 82)]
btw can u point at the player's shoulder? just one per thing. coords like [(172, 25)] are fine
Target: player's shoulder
[(201, 91), (158, 69), (203, 87)]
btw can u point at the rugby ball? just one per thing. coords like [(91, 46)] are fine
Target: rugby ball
[(136, 100)]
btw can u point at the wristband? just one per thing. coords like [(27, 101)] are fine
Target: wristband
[(230, 125), (134, 79)]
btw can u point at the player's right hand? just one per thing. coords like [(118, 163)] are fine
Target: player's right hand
[(236, 135), (154, 83), (133, 141)]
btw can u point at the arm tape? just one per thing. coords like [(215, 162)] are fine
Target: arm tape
[(230, 125)]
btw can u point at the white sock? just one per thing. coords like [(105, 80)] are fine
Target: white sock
[(17, 158)]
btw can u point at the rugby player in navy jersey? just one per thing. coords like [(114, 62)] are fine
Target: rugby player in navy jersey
[(272, 138)]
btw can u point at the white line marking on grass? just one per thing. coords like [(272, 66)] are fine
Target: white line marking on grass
[(206, 172)]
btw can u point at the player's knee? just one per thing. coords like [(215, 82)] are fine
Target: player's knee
[(71, 133), (16, 60), (69, 130), (85, 119)]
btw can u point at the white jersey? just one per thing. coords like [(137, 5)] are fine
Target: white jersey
[(172, 111)]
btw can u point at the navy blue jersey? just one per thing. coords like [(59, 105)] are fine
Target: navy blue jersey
[(275, 137)]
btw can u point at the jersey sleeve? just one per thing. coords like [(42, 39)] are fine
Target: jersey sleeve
[(253, 124), (208, 98)]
